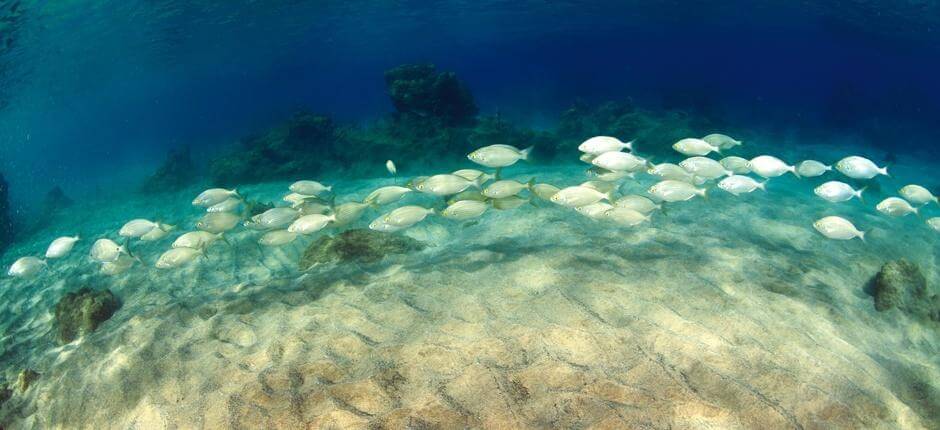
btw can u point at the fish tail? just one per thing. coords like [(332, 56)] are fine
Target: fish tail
[(524, 154), (763, 185), (235, 193), (794, 172), (703, 192), (224, 239), (629, 145), (859, 193), (861, 235), (884, 171), (530, 183)]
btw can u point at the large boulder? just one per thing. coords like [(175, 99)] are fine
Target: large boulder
[(81, 312), (357, 245), (901, 285), (177, 172), (6, 222), (419, 90)]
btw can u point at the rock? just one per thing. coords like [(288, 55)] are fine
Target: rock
[(26, 377), (5, 393), (80, 312), (177, 172), (418, 90), (901, 284), (6, 222), (357, 245)]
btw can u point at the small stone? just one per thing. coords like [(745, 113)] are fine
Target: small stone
[(80, 312), (26, 377), (358, 245)]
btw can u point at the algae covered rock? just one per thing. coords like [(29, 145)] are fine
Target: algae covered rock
[(177, 172), (901, 284), (357, 245), (80, 312), (419, 90), (25, 379)]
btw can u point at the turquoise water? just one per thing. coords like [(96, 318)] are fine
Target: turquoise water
[(722, 311)]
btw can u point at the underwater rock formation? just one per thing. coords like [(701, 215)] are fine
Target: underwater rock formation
[(6, 223), (177, 171), (80, 312), (901, 284), (5, 393), (52, 205), (357, 245), (299, 147), (25, 379), (419, 90)]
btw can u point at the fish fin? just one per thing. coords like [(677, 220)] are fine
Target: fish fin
[(477, 183), (525, 153), (861, 235), (794, 172), (763, 185), (628, 145), (235, 193), (530, 183), (858, 193), (224, 239), (609, 196), (884, 171), (703, 192)]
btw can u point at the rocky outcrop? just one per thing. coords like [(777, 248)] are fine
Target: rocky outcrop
[(419, 90), (177, 172), (357, 245), (6, 222), (25, 379), (901, 285), (81, 312)]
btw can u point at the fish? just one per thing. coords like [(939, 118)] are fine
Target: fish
[(464, 210), (118, 266), (587, 158), (296, 199), (735, 164), (313, 207), (390, 166), (26, 267), (473, 174), (177, 257), (918, 195), (230, 204), (309, 224), (704, 167), (544, 191), (640, 204), (579, 195), (273, 219), (310, 188), (139, 227), (894, 206), (812, 169), (600, 144), (379, 224), (348, 212), (619, 162), (467, 195), (595, 210), (604, 187), (407, 216), (739, 184), (768, 166), (669, 171), (157, 233), (214, 196), (836, 192), (196, 239), (507, 203), (608, 175), (834, 227), (218, 222), (505, 188), (386, 195), (934, 223), (721, 141), (857, 167), (627, 217), (277, 238), (61, 247), (675, 191), (499, 155), (414, 182), (446, 185), (692, 146), (106, 250)]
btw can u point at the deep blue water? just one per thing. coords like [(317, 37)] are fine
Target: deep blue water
[(94, 96)]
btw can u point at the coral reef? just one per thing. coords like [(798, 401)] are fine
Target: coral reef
[(6, 222), (420, 91), (80, 312), (901, 284), (357, 245), (177, 171)]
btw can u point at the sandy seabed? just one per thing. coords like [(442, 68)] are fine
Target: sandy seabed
[(726, 313)]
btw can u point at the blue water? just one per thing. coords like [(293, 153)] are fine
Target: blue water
[(730, 312)]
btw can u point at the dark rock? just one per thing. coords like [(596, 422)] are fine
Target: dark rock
[(300, 147), (6, 222), (80, 312), (5, 393), (51, 207), (901, 285), (418, 90), (177, 172), (357, 245), (25, 379)]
